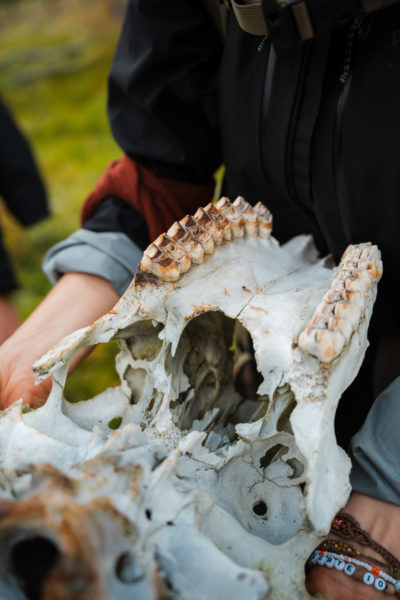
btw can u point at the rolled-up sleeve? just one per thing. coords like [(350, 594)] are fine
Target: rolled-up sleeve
[(111, 255)]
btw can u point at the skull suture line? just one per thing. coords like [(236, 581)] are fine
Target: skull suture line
[(201, 492)]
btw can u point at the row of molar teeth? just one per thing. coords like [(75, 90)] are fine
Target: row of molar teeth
[(339, 313), (188, 240)]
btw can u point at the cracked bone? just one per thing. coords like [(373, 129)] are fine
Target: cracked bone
[(200, 492)]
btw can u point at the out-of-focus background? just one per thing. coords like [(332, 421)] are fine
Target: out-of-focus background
[(54, 59)]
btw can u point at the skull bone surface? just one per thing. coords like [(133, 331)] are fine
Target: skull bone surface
[(206, 489)]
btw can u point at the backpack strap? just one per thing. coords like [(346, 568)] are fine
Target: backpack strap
[(297, 19), (218, 11)]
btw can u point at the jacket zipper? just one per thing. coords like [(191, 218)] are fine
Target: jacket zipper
[(338, 166), (291, 188)]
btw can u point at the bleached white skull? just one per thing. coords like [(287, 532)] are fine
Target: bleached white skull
[(201, 492)]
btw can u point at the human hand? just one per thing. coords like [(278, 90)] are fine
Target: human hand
[(74, 302), (17, 381)]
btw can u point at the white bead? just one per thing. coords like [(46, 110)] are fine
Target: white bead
[(380, 584), (397, 585), (314, 557), (368, 578), (321, 560), (330, 562), (339, 564), (349, 569)]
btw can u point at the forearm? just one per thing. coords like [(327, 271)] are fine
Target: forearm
[(75, 301)]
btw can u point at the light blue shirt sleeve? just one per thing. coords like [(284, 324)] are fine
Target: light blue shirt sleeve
[(111, 255)]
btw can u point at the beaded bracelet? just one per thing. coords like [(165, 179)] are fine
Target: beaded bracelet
[(368, 574), (338, 547)]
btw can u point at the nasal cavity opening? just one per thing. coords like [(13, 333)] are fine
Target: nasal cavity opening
[(216, 355), (31, 560)]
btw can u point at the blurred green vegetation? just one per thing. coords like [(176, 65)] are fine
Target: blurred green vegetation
[(54, 60)]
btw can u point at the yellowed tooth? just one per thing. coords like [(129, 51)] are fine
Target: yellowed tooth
[(168, 246), (370, 253), (235, 218), (250, 216), (318, 321), (372, 267), (200, 234), (324, 308), (220, 220), (361, 284), (264, 220), (342, 325), (350, 311), (322, 343), (205, 221), (156, 262), (184, 239)]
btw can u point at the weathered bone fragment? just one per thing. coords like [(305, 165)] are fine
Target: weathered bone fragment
[(200, 491)]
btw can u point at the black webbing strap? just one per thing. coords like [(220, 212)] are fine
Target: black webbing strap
[(293, 18), (218, 11)]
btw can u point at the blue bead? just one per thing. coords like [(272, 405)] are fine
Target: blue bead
[(339, 564), (397, 585), (349, 569), (368, 578), (330, 562), (380, 584)]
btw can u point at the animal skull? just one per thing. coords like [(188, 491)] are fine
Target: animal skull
[(200, 492)]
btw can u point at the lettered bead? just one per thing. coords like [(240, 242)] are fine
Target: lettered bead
[(314, 557), (330, 562), (339, 564), (349, 569), (397, 585), (368, 578), (380, 584), (321, 560)]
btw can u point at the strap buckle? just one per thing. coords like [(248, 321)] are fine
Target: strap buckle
[(288, 23)]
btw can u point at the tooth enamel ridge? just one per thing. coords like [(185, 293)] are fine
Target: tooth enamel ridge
[(338, 315), (190, 239)]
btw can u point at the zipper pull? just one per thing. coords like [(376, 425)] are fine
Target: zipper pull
[(354, 29), (261, 45)]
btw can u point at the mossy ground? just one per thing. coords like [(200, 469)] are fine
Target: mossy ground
[(54, 60)]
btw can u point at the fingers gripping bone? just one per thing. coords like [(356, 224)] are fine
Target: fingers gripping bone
[(188, 240), (337, 316)]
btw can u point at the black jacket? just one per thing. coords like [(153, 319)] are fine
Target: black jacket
[(321, 154), (314, 134), (21, 187)]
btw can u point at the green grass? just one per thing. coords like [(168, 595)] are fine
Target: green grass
[(54, 61)]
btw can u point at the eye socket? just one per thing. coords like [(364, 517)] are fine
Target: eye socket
[(31, 560)]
